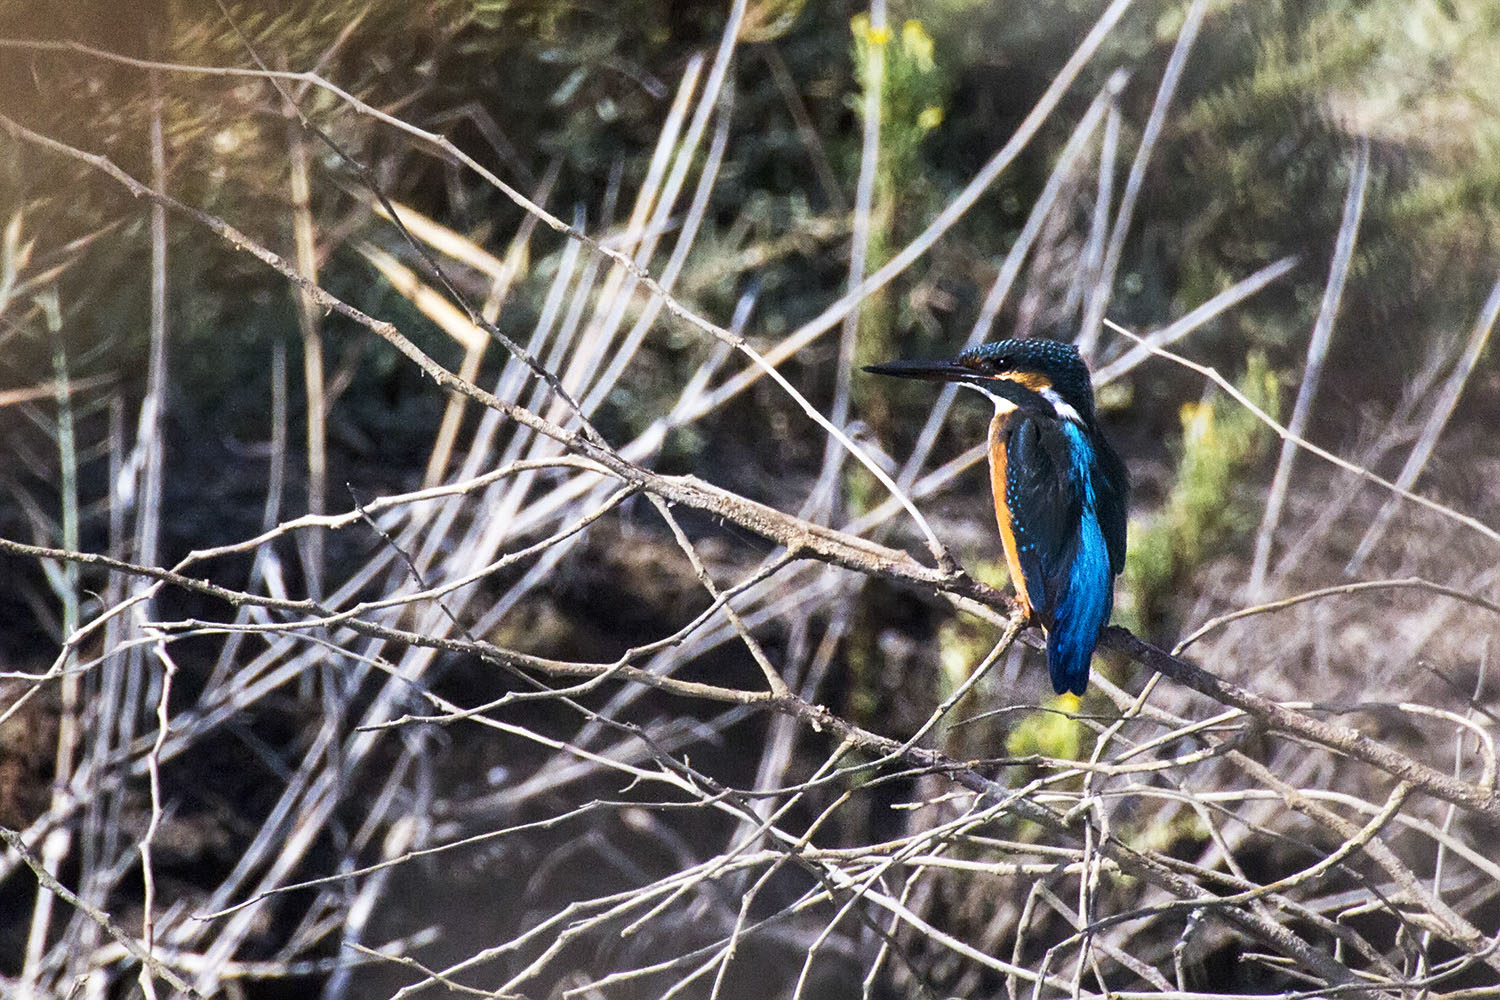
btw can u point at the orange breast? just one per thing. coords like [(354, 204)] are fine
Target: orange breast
[(1002, 512)]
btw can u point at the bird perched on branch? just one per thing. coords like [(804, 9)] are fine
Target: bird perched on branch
[(1060, 489)]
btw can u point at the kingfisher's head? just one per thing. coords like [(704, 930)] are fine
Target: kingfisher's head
[(1044, 376)]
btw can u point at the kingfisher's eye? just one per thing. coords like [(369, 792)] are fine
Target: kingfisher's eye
[(989, 364)]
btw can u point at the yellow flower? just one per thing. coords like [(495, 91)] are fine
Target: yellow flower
[(1198, 423), (918, 44), (859, 24), (930, 118)]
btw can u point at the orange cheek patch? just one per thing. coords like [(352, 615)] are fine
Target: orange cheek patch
[(1029, 380)]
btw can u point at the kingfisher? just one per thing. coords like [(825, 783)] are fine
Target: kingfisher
[(1060, 489)]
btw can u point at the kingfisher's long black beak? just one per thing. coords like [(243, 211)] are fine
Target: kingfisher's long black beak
[(932, 371), (951, 371)]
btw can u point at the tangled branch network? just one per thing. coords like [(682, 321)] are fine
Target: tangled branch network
[(669, 819)]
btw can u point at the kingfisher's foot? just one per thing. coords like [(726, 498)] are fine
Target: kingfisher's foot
[(1028, 614)]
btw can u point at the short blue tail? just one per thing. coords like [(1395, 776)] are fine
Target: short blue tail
[(1068, 658), (1081, 614)]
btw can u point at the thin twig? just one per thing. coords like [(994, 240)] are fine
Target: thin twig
[(50, 883), (1282, 432), (1408, 583), (1099, 297), (1442, 409), (1317, 351)]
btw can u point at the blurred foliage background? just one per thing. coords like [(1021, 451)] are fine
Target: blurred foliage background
[(568, 98)]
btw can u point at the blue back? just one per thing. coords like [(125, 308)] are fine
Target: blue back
[(1066, 505)]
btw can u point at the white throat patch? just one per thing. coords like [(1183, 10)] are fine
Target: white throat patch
[(1064, 411), (1002, 405)]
